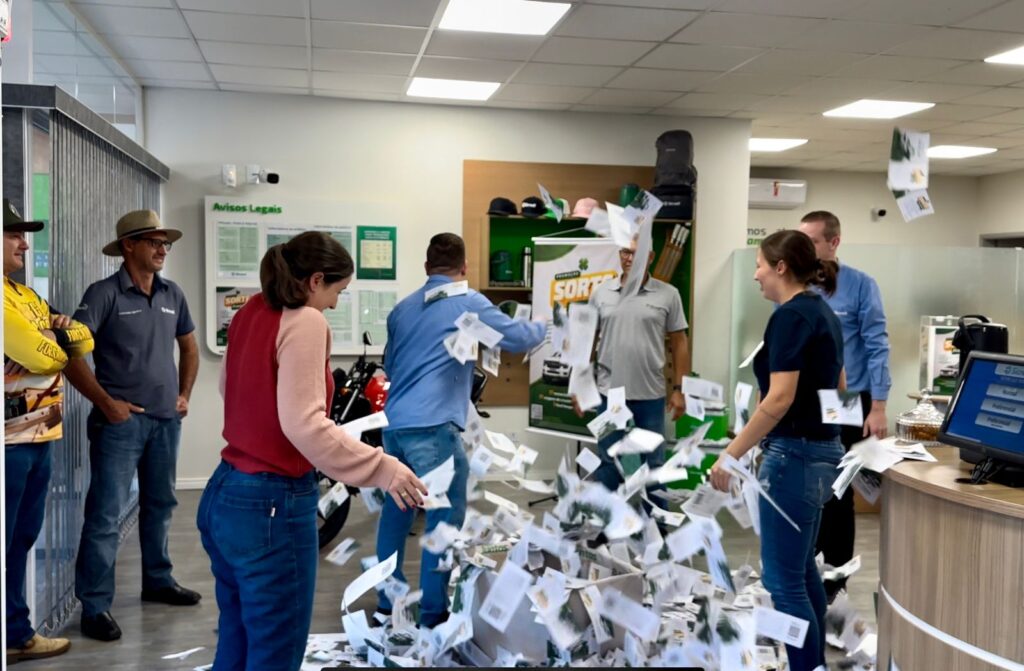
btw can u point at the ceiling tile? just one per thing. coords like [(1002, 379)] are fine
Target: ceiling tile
[(717, 101), (255, 55), (861, 37), (154, 48), (845, 88), (623, 23), (1011, 117), (388, 12), (981, 74), (338, 60), (745, 30), (336, 35), (249, 88), (660, 4), (932, 92), (256, 29), (288, 8), (957, 112), (576, 50), (698, 57), (761, 84), (465, 68), (168, 70), (1004, 96), (346, 81), (900, 68), (921, 12), (1008, 17), (659, 80), (506, 104), (136, 3), (143, 22), (692, 112), (972, 45), (796, 104), (807, 8), (793, 62), (627, 98), (542, 94), (482, 45), (979, 128), (357, 95), (610, 109), (176, 84), (566, 75), (235, 74)]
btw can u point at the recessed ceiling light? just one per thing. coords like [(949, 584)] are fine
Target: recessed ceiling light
[(514, 17), (454, 89), (775, 143), (878, 109), (958, 151), (1011, 57)]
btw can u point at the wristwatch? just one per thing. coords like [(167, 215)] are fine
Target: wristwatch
[(677, 387)]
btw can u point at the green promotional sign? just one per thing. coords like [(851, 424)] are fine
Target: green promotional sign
[(376, 252)]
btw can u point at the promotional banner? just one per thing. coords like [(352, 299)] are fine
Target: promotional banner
[(565, 271)]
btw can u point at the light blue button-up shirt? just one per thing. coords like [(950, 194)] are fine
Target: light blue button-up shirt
[(429, 387), (857, 303)]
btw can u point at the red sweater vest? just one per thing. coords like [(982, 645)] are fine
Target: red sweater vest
[(255, 441)]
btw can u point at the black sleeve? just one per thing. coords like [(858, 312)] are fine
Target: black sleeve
[(787, 338)]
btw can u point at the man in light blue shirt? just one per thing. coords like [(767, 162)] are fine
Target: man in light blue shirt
[(857, 303), (428, 400)]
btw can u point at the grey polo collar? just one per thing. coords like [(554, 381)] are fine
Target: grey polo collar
[(124, 280)]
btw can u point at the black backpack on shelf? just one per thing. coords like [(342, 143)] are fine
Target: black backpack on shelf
[(675, 177), (677, 201)]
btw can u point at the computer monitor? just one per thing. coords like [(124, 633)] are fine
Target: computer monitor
[(986, 414)]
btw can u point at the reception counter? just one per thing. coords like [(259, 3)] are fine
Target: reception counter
[(951, 593)]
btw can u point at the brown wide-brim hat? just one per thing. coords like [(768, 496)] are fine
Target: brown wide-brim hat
[(136, 223)]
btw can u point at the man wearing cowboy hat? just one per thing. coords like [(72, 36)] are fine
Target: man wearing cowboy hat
[(139, 400), (38, 342)]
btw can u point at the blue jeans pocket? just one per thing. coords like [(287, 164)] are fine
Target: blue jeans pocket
[(241, 526)]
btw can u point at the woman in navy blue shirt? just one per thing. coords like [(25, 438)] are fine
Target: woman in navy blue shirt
[(802, 353)]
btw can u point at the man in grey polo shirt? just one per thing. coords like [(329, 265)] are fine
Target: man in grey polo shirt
[(631, 353), (139, 400)]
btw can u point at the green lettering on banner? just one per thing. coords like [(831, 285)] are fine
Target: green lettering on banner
[(257, 209)]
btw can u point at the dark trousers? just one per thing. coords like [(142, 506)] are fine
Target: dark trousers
[(27, 482), (838, 523)]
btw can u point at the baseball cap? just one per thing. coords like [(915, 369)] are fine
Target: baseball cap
[(584, 207), (534, 207), (502, 206), (13, 223)]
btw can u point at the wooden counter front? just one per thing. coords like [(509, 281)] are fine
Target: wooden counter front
[(952, 555)]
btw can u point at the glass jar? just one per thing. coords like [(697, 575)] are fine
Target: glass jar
[(920, 425)]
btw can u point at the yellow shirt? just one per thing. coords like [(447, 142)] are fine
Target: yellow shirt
[(33, 400)]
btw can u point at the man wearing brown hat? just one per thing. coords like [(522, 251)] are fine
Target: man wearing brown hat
[(38, 342), (139, 399)]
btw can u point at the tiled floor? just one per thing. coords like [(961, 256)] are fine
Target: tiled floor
[(153, 630)]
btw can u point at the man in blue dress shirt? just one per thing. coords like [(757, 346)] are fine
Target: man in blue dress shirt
[(428, 400), (857, 303)]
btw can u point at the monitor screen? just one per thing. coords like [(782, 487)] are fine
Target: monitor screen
[(987, 410)]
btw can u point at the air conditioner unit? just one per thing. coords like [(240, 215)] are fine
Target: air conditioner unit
[(776, 194)]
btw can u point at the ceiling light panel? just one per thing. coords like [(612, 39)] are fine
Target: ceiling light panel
[(513, 17)]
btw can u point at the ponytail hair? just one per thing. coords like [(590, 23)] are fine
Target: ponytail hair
[(797, 251), (286, 267)]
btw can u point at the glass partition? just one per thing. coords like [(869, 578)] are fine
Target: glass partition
[(914, 282)]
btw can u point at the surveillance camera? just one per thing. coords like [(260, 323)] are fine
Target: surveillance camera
[(256, 175), (877, 213), (274, 178)]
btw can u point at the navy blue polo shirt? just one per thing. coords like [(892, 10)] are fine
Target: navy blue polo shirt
[(135, 336)]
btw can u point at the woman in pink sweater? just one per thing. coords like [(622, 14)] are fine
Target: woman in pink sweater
[(257, 516)]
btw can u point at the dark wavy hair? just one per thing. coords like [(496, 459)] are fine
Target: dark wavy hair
[(286, 267), (797, 250)]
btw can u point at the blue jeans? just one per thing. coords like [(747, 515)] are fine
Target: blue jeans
[(260, 532), (648, 415), (27, 480), (798, 474), (116, 451), (422, 450)]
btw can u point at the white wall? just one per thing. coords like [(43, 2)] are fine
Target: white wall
[(852, 195), (368, 151), (1002, 204)]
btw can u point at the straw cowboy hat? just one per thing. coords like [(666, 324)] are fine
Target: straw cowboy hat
[(135, 223)]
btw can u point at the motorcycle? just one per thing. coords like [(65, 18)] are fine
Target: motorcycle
[(359, 392)]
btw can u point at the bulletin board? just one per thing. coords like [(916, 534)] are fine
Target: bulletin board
[(240, 230)]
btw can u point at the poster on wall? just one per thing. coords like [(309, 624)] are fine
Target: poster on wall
[(375, 253), (239, 231), (565, 271)]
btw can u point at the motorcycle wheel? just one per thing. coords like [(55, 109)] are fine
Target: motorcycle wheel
[(328, 528)]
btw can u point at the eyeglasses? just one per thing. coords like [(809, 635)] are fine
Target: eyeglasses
[(157, 243), (627, 253)]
